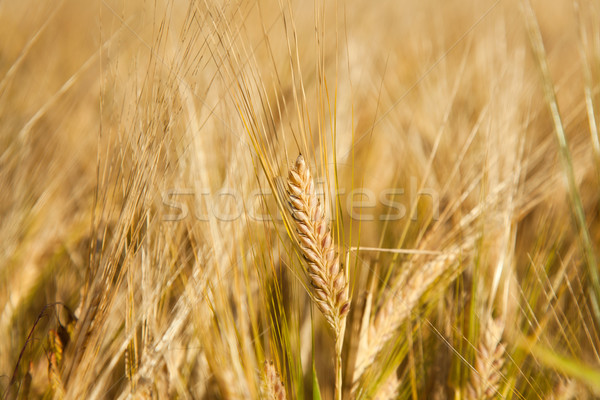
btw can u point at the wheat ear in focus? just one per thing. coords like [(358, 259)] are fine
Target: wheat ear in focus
[(329, 282)]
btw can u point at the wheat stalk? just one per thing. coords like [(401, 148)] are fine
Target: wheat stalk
[(328, 280), (485, 378), (272, 387)]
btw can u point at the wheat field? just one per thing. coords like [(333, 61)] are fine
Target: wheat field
[(300, 200)]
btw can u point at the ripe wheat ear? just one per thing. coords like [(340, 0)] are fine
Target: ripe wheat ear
[(329, 281), (272, 387), (486, 377)]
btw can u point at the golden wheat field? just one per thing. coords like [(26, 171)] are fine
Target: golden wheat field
[(300, 200)]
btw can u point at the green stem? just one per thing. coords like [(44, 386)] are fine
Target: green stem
[(339, 344)]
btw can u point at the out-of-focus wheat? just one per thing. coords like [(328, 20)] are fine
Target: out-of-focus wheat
[(272, 387), (398, 306), (485, 379)]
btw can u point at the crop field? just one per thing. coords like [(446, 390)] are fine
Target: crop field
[(276, 199)]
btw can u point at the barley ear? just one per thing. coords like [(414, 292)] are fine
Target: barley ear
[(328, 280), (272, 387), (486, 376)]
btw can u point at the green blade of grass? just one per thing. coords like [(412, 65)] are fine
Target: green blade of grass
[(573, 368)]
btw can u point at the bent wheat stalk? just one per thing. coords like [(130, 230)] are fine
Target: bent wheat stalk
[(397, 307), (329, 281)]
